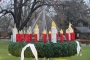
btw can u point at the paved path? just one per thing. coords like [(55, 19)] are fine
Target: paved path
[(85, 45)]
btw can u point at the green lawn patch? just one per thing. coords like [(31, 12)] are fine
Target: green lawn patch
[(4, 54)]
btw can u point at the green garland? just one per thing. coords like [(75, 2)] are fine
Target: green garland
[(48, 50)]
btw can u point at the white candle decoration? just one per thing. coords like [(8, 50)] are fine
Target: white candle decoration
[(30, 32), (37, 30), (14, 34), (54, 31), (69, 30)]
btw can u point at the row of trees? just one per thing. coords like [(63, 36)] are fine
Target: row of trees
[(73, 11), (22, 11)]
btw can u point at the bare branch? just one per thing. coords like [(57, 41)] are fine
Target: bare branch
[(24, 4), (6, 12), (2, 16)]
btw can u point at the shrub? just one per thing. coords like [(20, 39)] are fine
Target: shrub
[(48, 50)]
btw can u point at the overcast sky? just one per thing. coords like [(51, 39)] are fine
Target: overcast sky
[(87, 2)]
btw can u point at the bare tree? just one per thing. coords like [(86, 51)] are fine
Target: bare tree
[(23, 10), (71, 11), (17, 8)]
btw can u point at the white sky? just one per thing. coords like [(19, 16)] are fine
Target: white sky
[(4, 3), (87, 2)]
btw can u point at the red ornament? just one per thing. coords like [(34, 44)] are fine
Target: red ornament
[(49, 37), (61, 38), (30, 37), (67, 37), (19, 38), (72, 36), (35, 38), (44, 37), (24, 37), (27, 38)]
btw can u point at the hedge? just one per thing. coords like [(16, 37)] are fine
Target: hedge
[(48, 50)]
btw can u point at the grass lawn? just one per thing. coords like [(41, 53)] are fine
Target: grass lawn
[(4, 55)]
